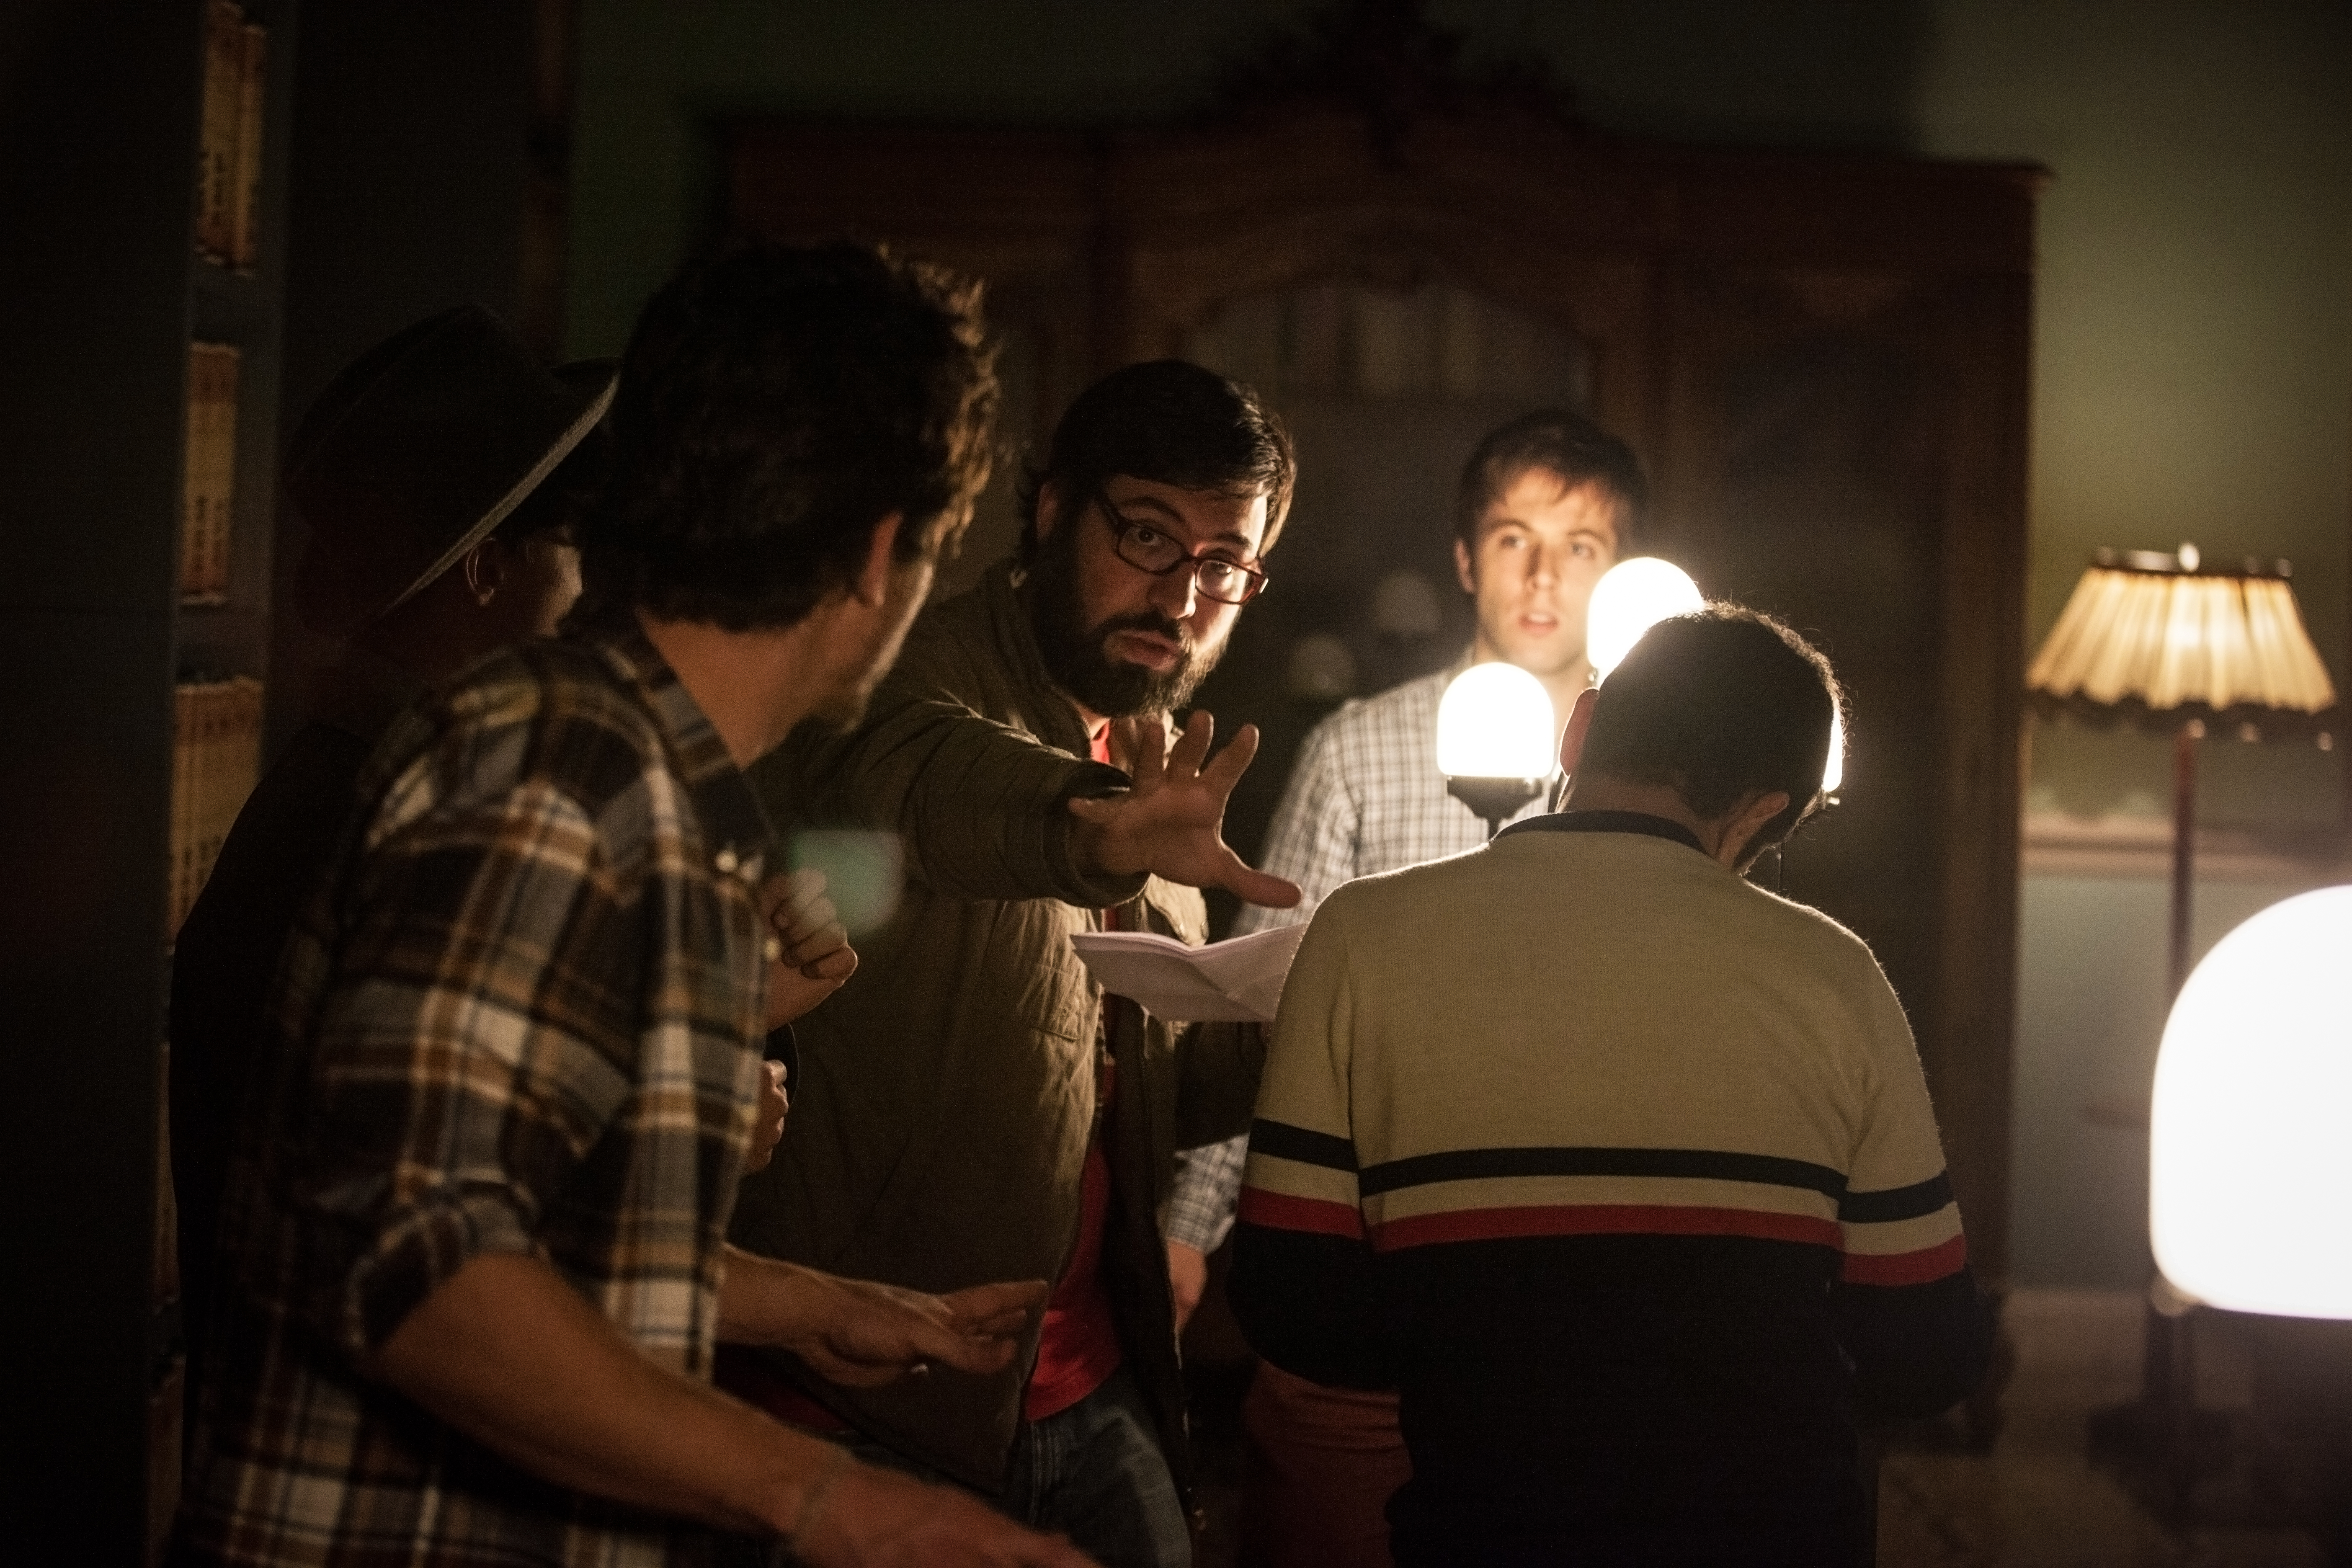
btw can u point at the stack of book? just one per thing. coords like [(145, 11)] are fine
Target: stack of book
[(215, 761), (209, 492), (228, 148)]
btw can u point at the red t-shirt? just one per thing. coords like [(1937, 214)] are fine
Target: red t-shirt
[(1080, 1350)]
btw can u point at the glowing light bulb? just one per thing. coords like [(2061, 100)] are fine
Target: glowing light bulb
[(1833, 771), (1631, 598), (2249, 1170), (1495, 721)]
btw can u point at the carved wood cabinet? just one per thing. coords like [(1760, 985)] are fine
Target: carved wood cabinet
[(1821, 359)]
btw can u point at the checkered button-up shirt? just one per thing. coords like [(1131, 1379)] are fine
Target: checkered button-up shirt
[(1365, 796), (522, 1016)]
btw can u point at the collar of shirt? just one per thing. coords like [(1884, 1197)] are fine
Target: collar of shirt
[(1607, 822), (734, 827)]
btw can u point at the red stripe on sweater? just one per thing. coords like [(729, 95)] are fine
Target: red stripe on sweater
[(1929, 1263), (1320, 1216), (1601, 1219)]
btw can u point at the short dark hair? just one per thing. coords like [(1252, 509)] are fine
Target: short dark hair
[(1567, 445), (775, 404), (1719, 704), (1173, 421)]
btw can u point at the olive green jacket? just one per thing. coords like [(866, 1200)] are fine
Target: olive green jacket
[(946, 1091)]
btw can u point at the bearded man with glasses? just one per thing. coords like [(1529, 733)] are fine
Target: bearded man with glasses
[(972, 1104)]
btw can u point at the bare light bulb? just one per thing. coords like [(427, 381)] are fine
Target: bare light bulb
[(1495, 721), (1833, 771), (1631, 598), (2250, 1172)]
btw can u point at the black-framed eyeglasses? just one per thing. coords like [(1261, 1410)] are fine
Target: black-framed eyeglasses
[(1147, 548)]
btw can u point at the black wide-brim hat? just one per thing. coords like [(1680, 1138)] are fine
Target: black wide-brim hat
[(418, 450)]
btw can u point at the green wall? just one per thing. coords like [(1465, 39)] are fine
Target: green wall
[(2193, 341)]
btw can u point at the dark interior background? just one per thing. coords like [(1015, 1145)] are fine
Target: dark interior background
[(2193, 380)]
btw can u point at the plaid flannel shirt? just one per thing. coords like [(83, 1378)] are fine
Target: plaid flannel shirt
[(520, 1016), (1365, 796)]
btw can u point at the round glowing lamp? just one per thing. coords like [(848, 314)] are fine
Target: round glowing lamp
[(2250, 1156), (1631, 598), (1495, 740)]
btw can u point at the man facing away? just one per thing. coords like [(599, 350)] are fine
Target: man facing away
[(1619, 1168), (474, 1227), (974, 1109), (1545, 505)]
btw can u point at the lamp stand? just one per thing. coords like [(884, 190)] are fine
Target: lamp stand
[(2168, 1357), (2184, 850), (2161, 1429), (1496, 801)]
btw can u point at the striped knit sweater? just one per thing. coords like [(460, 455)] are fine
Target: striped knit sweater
[(1624, 1171)]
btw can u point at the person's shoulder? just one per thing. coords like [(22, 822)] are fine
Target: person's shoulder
[(555, 712), (579, 691), (1378, 721), (1804, 933), (1406, 699), (1375, 895)]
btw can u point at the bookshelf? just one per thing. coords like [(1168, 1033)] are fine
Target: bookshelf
[(102, 122)]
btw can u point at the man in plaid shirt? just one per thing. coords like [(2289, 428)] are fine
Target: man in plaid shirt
[(1547, 503), (474, 1235)]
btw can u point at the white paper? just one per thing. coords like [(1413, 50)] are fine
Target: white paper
[(1238, 981)]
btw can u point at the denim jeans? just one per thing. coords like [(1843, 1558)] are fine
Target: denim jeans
[(1093, 1473)]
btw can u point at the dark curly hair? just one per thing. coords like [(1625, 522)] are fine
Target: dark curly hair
[(775, 404), (1171, 422), (1570, 447), (1719, 704)]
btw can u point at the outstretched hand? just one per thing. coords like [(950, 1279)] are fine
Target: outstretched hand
[(863, 1334), (1171, 823)]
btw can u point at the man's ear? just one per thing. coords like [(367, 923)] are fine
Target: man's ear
[(1746, 822), (1580, 725), (1049, 510), (1466, 567), (873, 577), (485, 569)]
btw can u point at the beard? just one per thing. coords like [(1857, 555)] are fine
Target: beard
[(1074, 650)]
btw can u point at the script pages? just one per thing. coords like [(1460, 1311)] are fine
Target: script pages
[(1238, 981)]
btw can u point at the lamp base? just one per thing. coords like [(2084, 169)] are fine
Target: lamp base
[(2161, 1445), (1496, 801)]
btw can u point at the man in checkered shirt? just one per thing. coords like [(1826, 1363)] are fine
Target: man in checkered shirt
[(474, 1233), (1547, 504)]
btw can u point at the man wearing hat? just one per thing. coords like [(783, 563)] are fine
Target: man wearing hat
[(438, 476)]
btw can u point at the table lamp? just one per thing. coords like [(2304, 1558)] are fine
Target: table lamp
[(1495, 740), (2166, 644), (2248, 1185)]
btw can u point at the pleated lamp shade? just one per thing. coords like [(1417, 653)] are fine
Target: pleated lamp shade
[(2152, 635)]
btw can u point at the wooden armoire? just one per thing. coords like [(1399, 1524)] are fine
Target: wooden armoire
[(1821, 359)]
